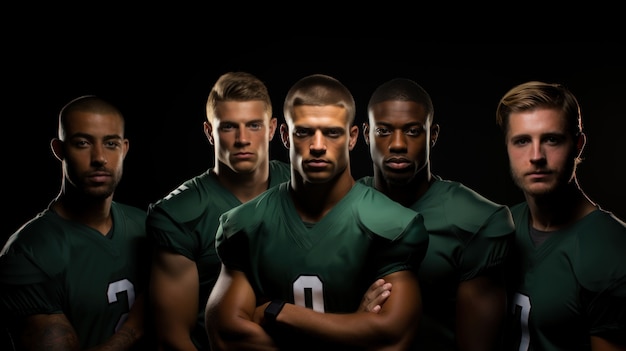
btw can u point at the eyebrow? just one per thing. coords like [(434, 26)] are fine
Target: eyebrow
[(90, 136)]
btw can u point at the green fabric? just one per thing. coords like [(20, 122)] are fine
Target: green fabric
[(469, 236), (327, 266), (572, 286), (52, 265), (185, 222)]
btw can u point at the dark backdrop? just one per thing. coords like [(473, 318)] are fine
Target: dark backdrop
[(160, 80)]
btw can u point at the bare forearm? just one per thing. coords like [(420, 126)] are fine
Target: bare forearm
[(360, 329), (130, 333), (243, 335), (123, 339), (392, 327), (46, 332)]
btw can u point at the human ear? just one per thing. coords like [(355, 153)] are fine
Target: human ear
[(284, 134), (208, 131), (57, 148), (354, 136), (581, 142), (272, 127), (434, 134)]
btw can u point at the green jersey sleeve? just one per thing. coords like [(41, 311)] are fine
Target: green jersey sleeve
[(186, 220)]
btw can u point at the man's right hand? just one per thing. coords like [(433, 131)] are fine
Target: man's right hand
[(375, 296)]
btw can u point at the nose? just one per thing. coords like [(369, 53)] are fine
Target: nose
[(318, 142), (537, 154), (98, 155), (242, 135), (398, 141)]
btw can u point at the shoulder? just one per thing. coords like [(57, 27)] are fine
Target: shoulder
[(365, 197), (519, 211), (461, 194), (367, 180), (129, 210), (264, 202), (601, 242), (378, 212), (251, 214), (280, 172), (39, 231), (280, 167), (46, 239), (467, 209), (602, 228), (189, 197), (608, 220), (131, 214)]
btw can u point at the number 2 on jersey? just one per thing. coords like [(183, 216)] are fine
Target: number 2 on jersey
[(116, 288)]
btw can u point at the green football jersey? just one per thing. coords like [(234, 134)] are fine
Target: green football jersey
[(185, 221), (327, 266), (469, 236), (52, 265), (569, 288)]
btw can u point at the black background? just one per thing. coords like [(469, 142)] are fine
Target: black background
[(160, 75)]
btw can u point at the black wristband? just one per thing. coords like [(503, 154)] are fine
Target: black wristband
[(272, 310)]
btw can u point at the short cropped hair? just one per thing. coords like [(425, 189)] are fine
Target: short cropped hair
[(319, 90), (237, 86), (403, 89), (86, 103)]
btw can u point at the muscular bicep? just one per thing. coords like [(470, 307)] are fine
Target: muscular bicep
[(229, 314), (403, 308), (400, 313), (174, 287), (481, 306), (170, 265), (47, 332), (231, 299), (482, 295)]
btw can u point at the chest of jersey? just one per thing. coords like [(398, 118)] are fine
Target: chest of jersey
[(324, 268)]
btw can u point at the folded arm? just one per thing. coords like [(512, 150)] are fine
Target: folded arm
[(229, 315), (51, 332), (391, 328)]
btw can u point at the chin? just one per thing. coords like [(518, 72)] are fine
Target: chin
[(398, 179), (317, 178), (244, 167), (538, 190), (244, 170)]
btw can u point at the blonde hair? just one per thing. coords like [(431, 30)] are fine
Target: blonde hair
[(237, 86)]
